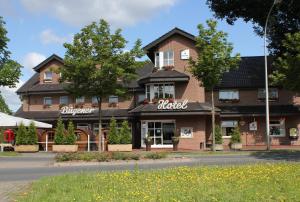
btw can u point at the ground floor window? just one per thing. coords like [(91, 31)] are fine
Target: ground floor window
[(160, 131), (227, 127), (277, 128)]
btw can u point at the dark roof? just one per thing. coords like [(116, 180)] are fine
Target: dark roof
[(259, 110), (53, 115), (52, 57), (145, 70), (163, 76), (250, 74), (193, 108)]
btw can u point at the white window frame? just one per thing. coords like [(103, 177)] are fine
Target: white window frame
[(45, 98), (232, 91), (110, 98), (262, 95), (47, 79), (80, 100), (150, 87), (168, 61), (234, 124), (94, 100), (157, 59), (61, 98), (281, 126)]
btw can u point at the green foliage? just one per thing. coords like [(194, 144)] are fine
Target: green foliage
[(21, 136), (59, 132), (70, 137), (125, 156), (125, 133), (285, 18), (32, 134), (287, 73), (113, 135), (10, 70), (218, 135), (3, 106), (155, 155), (214, 55), (1, 135), (235, 135)]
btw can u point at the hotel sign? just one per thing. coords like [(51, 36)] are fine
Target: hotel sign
[(73, 111), (166, 104)]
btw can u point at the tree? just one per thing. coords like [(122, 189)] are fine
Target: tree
[(59, 136), (218, 134), (70, 137), (10, 70), (235, 135), (21, 138), (213, 60), (3, 106), (96, 64), (287, 71), (113, 135), (125, 133), (284, 18), (32, 137)]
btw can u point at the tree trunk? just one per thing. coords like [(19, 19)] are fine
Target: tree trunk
[(100, 144), (213, 120)]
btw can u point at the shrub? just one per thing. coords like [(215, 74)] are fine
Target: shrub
[(32, 137), (120, 156), (156, 155), (218, 135), (135, 156), (70, 137), (113, 136), (125, 133), (1, 136), (235, 135), (101, 157), (21, 138), (59, 132)]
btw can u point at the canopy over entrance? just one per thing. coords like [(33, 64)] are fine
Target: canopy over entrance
[(13, 121)]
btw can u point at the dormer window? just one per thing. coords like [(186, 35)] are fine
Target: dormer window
[(160, 91), (48, 76)]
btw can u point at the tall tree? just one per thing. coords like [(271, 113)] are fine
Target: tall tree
[(96, 64), (287, 71), (3, 106), (285, 17), (213, 60)]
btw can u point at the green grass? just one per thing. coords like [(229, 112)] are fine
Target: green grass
[(5, 154), (260, 182)]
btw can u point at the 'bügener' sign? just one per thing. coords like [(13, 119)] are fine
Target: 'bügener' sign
[(71, 110), (166, 104)]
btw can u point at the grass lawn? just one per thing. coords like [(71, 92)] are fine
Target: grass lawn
[(260, 182), (9, 154)]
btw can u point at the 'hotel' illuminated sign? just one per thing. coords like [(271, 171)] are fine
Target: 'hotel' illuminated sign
[(166, 104)]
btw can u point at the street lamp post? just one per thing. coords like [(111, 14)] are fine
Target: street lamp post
[(266, 76)]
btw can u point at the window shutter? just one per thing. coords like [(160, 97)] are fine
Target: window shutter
[(161, 60)]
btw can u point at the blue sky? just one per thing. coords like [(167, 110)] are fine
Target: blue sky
[(38, 28)]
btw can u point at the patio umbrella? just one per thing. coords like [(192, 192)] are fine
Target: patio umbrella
[(13, 121)]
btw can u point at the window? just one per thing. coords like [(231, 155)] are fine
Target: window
[(50, 136), (161, 131), (227, 127), (47, 101), (158, 91), (113, 99), (94, 100), (48, 76), (277, 128), (273, 94), (157, 59), (80, 100), (228, 95), (168, 58), (64, 100), (141, 98)]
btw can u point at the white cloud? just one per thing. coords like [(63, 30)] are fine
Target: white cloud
[(32, 59), (11, 98), (118, 13), (48, 36)]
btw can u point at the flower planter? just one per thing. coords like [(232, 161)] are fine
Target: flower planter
[(120, 147), (219, 147), (26, 148), (64, 148), (236, 146)]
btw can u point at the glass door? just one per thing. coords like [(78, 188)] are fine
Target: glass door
[(160, 131)]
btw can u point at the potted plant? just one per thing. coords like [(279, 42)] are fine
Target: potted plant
[(45, 106), (146, 101), (175, 141), (293, 133), (26, 140), (154, 100), (218, 139), (148, 142), (113, 104), (64, 143), (236, 142)]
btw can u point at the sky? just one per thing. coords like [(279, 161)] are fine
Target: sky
[(38, 28)]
